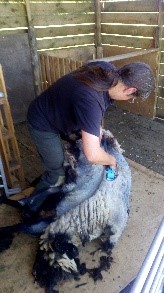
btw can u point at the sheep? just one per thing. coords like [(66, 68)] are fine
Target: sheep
[(92, 208), (87, 207)]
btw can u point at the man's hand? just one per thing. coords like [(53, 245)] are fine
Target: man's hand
[(94, 153)]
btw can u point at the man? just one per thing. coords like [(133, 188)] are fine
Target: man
[(77, 102)]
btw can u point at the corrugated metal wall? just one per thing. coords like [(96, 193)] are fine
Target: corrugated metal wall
[(67, 28)]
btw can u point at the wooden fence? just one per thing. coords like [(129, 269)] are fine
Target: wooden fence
[(53, 68), (58, 24), (132, 26), (85, 29)]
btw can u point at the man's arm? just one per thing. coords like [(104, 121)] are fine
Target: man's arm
[(94, 153)]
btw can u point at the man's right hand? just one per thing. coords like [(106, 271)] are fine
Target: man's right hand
[(94, 153)]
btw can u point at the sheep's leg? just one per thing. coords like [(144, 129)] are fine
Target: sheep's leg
[(107, 245), (113, 232)]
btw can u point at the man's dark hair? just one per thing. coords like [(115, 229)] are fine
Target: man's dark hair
[(140, 76), (102, 75), (99, 75)]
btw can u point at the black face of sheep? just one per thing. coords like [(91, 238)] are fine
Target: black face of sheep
[(90, 207)]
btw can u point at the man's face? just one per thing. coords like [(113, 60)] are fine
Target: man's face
[(121, 92)]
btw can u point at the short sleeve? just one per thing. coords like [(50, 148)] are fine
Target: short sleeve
[(88, 113)]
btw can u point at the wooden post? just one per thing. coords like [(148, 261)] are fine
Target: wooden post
[(98, 42), (33, 50), (160, 33)]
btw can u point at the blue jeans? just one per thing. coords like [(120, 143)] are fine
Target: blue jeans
[(50, 149)]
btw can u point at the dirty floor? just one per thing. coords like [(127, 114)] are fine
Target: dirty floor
[(147, 209), (140, 137)]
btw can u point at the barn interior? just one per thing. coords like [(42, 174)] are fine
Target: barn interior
[(40, 42)]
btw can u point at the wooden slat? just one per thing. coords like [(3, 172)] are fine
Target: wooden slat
[(12, 22), (146, 31), (60, 1), (161, 91), (63, 42), (64, 31), (162, 43), (64, 19), (115, 50), (12, 32), (73, 65), (18, 9), (161, 80), (42, 71), (14, 15), (12, 9), (162, 69), (17, 1), (7, 146), (98, 40), (162, 56), (56, 65), (8, 143), (47, 69), (43, 9), (130, 18), (52, 76), (131, 6), (67, 65), (52, 68), (128, 41), (124, 56), (160, 84), (160, 108), (61, 66), (83, 53)]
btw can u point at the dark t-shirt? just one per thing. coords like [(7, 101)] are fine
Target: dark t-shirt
[(69, 105)]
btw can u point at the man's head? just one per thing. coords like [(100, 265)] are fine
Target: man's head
[(135, 80), (129, 81)]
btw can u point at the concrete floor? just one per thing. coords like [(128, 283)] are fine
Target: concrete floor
[(147, 209)]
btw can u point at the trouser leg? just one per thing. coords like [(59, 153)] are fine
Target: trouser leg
[(50, 149)]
